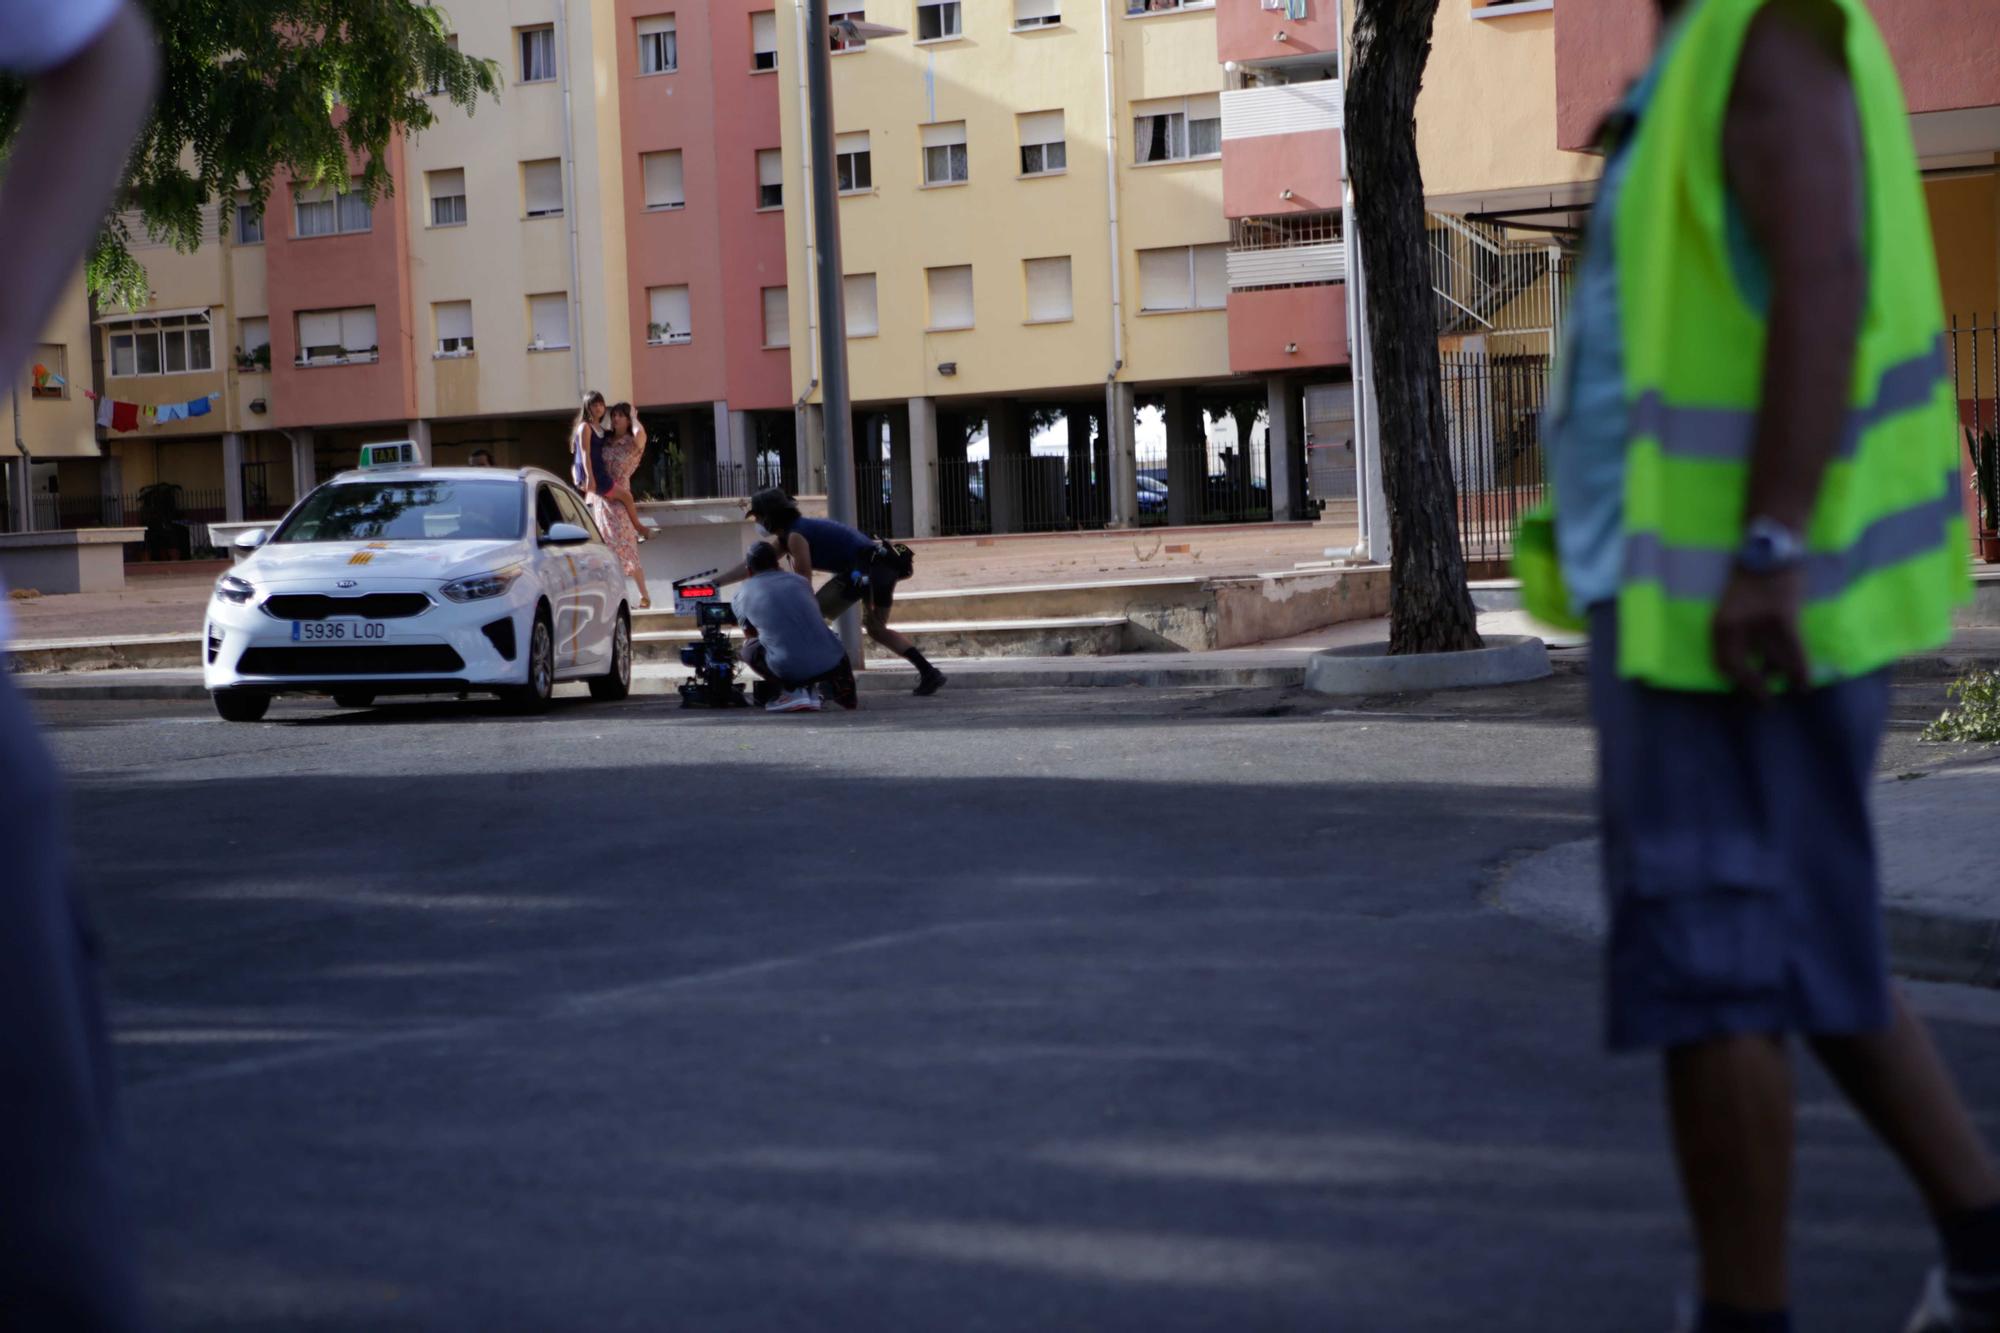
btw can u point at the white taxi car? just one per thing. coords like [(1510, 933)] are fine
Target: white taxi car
[(421, 580)]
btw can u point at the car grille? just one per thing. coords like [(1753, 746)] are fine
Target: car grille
[(372, 606), (371, 660)]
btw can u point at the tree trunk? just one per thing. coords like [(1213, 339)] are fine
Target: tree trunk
[(1430, 609)]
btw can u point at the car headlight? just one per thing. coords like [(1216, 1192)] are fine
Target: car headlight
[(479, 587), (232, 589)]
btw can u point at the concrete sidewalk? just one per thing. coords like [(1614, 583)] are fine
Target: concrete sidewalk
[(1940, 845)]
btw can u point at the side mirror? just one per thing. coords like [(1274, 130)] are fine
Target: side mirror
[(565, 534), (251, 540)]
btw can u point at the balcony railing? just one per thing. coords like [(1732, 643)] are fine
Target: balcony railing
[(1292, 108), (1292, 266)]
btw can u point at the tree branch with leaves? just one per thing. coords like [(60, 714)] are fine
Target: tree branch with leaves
[(250, 89)]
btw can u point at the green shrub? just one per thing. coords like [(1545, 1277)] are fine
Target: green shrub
[(1977, 716)]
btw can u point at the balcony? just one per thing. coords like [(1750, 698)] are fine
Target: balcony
[(1289, 108), (1292, 266), (1287, 329)]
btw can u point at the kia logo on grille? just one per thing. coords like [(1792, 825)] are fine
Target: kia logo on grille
[(344, 583)]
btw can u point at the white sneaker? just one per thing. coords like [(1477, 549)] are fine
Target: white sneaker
[(1937, 1312), (794, 701)]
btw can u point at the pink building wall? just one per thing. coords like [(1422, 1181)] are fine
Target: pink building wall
[(1946, 52), (1256, 173), (1262, 324), (1247, 31), (338, 272), (719, 114)]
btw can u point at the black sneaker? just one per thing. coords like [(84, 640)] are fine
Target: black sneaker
[(930, 683)]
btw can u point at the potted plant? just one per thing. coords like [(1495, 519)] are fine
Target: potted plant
[(160, 510), (1984, 446), (656, 333)]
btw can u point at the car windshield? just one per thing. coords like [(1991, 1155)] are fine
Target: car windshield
[(408, 510)]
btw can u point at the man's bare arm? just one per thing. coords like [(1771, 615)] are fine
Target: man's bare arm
[(1792, 148), (67, 160)]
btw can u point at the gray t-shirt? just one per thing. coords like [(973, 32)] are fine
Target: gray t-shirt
[(38, 35), (798, 646)]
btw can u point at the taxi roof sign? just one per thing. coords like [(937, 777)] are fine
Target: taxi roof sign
[(390, 453)]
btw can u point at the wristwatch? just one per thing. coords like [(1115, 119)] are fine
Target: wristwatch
[(1769, 547)]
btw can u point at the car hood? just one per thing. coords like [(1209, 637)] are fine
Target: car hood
[(372, 562)]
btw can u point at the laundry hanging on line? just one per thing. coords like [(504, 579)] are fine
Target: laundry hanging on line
[(110, 412)]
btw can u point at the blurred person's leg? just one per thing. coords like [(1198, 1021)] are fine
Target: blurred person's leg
[(66, 1249), (1731, 1106)]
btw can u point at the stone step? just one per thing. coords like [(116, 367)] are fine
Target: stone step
[(1070, 636)]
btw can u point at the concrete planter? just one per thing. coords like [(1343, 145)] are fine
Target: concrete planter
[(1368, 668)]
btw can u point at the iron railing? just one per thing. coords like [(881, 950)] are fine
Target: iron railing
[(1974, 349), (1493, 427)]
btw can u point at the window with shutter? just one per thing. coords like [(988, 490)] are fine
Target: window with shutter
[(249, 220), (538, 54), (542, 187), (770, 178), (357, 331), (1049, 299), (319, 336), (314, 212), (764, 41), (1031, 14), (1177, 129), (548, 322), (1211, 277), (1043, 149), (665, 185), (945, 161), (951, 297), (454, 327), (850, 9), (853, 164), (447, 197), (659, 45), (1166, 279), (252, 334), (1204, 125), (859, 289), (670, 316), (777, 317), (355, 213)]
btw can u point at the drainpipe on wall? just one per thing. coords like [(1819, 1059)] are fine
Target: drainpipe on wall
[(569, 201), (1123, 488)]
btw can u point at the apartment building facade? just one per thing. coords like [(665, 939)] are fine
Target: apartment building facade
[(1053, 210)]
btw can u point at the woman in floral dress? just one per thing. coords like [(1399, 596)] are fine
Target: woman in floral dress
[(622, 453)]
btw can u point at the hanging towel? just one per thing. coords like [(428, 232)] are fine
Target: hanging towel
[(124, 416), (198, 408), (103, 412), (173, 412), (56, 381)]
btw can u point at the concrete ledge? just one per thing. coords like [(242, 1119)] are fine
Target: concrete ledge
[(1098, 636), (1368, 669), (66, 560)]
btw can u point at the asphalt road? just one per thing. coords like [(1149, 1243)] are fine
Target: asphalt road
[(1105, 1010)]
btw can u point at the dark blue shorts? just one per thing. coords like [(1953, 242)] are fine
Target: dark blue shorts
[(1739, 859)]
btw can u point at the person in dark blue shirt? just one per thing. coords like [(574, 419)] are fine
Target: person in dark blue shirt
[(864, 570)]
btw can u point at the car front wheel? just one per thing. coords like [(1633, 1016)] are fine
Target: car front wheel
[(616, 683), (241, 705), (534, 695)]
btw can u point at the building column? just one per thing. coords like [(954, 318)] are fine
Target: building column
[(232, 477), (305, 463), (728, 463), (812, 450), (902, 482), (420, 432), (1284, 434), (1187, 458), (21, 493), (1006, 455), (922, 429), (743, 448), (1122, 447)]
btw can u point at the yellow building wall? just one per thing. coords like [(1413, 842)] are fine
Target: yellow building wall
[(58, 427), (1965, 222), (999, 220), (1486, 119), (499, 257)]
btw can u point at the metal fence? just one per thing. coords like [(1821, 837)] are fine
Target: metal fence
[(1035, 493), (1975, 374), (1493, 427), (669, 476)]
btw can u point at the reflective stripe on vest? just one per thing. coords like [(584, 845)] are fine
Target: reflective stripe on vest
[(1887, 553)]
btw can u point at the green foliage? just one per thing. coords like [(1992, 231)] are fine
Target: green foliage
[(1977, 716), (252, 88)]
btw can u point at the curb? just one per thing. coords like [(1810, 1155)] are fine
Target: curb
[(1507, 659), (876, 680), (1923, 946)]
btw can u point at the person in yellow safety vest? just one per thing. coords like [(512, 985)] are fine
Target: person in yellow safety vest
[(1757, 510)]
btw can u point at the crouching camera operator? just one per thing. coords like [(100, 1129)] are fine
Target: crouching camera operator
[(864, 570), (786, 641)]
